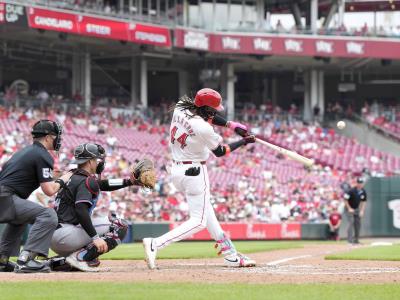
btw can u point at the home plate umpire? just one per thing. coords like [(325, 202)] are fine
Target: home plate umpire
[(26, 170)]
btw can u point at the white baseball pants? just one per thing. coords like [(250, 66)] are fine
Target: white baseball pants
[(202, 215)]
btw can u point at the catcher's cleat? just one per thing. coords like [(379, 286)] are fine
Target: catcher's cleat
[(239, 260), (94, 263), (74, 261), (151, 252)]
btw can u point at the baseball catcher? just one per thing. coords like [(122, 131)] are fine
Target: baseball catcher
[(79, 237)]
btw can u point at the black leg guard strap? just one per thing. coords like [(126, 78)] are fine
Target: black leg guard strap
[(91, 250), (58, 264)]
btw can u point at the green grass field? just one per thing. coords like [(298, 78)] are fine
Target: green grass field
[(185, 291), (370, 253), (197, 249)]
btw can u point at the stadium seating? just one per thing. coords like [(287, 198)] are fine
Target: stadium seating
[(245, 185)]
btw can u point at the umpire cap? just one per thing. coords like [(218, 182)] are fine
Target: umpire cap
[(45, 127), (88, 151)]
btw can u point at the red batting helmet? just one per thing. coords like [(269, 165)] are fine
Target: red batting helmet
[(208, 97)]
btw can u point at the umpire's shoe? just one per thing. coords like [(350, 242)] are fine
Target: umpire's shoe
[(27, 264), (31, 266), (6, 265)]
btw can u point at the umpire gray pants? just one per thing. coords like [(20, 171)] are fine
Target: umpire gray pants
[(44, 222), (353, 230), (70, 238)]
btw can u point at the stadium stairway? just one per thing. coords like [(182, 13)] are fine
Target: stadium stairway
[(368, 136)]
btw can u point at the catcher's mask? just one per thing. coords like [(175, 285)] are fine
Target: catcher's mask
[(88, 151), (47, 127)]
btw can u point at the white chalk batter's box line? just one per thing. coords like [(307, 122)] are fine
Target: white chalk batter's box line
[(312, 270)]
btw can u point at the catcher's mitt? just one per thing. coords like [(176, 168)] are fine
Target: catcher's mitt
[(144, 173)]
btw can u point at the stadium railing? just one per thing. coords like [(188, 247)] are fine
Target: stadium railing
[(173, 17)]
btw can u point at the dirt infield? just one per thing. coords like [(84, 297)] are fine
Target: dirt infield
[(306, 265)]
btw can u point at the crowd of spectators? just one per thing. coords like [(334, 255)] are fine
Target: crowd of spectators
[(251, 185), (383, 117)]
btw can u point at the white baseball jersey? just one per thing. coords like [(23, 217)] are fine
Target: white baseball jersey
[(191, 137)]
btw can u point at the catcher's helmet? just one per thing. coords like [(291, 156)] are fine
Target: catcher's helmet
[(208, 97), (46, 127), (88, 151)]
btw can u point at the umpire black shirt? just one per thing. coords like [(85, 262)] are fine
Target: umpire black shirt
[(27, 169), (355, 196)]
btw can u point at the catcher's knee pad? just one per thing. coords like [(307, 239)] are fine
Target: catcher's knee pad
[(119, 227)]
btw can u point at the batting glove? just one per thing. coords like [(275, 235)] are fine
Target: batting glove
[(249, 139), (239, 128)]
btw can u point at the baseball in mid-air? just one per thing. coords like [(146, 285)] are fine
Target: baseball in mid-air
[(341, 125)]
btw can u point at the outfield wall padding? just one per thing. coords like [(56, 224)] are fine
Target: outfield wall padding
[(142, 230), (314, 231)]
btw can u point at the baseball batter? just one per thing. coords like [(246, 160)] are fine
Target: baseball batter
[(191, 139)]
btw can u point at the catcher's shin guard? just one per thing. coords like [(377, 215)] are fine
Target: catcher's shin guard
[(118, 230), (90, 252)]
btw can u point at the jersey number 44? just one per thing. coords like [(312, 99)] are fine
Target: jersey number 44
[(181, 139)]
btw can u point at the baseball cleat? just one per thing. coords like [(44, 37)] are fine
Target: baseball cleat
[(151, 252), (31, 266), (74, 261), (94, 263), (8, 266), (239, 260)]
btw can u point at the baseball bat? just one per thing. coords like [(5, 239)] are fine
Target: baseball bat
[(291, 154)]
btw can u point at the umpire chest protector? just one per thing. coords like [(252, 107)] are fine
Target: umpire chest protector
[(83, 187)]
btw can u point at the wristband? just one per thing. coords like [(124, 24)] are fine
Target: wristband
[(127, 182), (60, 182), (95, 237)]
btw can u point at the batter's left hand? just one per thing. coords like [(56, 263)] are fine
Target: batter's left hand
[(239, 128)]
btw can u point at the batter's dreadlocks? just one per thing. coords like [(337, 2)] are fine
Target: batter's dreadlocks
[(187, 103)]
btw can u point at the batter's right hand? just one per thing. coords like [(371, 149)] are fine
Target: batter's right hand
[(249, 139), (101, 245)]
